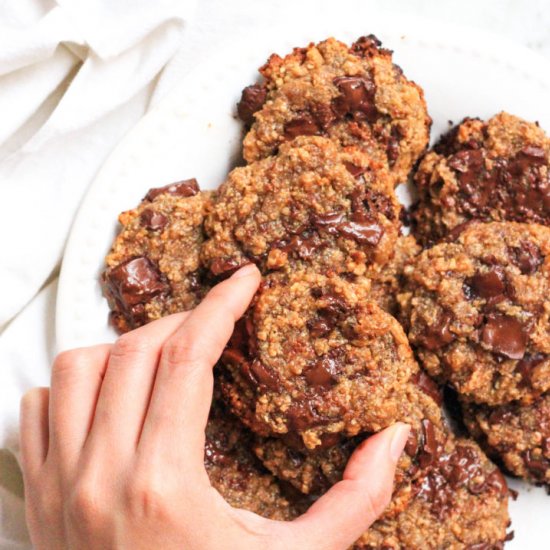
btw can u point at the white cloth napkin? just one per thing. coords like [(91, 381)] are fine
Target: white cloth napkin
[(75, 76)]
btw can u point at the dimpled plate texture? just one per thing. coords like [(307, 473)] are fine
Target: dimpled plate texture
[(193, 133)]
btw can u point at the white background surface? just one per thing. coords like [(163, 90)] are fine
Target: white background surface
[(215, 22)]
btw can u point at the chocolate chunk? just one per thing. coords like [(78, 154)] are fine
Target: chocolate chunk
[(303, 125), (134, 282), (303, 246), (356, 99), (373, 203), (252, 99), (184, 188), (429, 445), (152, 220), (354, 170), (330, 440), (333, 309), (495, 481), (323, 115), (263, 375), (468, 163), (504, 335), (412, 444), (323, 372), (527, 257), (194, 279), (233, 356), (363, 232), (457, 231), (535, 154), (428, 386), (537, 465), (328, 222), (527, 364), (367, 46), (488, 285), (319, 328), (392, 147), (439, 334), (225, 267), (302, 416)]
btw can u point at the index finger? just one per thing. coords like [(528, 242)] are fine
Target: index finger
[(182, 392)]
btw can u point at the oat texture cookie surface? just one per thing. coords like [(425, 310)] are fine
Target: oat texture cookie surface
[(354, 95), (493, 171), (478, 311), (314, 357), (153, 268), (237, 474), (303, 207), (314, 471), (459, 502), (516, 435)]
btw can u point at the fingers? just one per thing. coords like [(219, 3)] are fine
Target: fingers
[(76, 379), (182, 393), (127, 385), (340, 516), (34, 430)]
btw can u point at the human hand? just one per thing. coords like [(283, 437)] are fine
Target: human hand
[(113, 452)]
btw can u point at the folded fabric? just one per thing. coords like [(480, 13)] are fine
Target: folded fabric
[(75, 76), (71, 84)]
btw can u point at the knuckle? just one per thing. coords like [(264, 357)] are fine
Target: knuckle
[(86, 506), (147, 499), (130, 345), (66, 361), (181, 355)]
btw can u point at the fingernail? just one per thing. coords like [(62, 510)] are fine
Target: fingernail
[(398, 440), (244, 271)]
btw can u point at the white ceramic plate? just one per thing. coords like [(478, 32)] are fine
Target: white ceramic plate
[(193, 133)]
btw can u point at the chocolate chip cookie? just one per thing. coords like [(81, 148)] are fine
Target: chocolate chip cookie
[(235, 472), (478, 311), (493, 171), (517, 435), (459, 501), (354, 95), (153, 268), (314, 471), (302, 207), (314, 357)]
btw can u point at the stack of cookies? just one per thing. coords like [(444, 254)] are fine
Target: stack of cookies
[(328, 352)]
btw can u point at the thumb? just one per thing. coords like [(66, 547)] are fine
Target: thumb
[(346, 511)]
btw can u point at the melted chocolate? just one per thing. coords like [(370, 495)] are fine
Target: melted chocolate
[(356, 99), (155, 221), (323, 372), (252, 100), (527, 257), (184, 188), (504, 335), (428, 386), (489, 285), (516, 186), (302, 416), (133, 283), (439, 334)]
